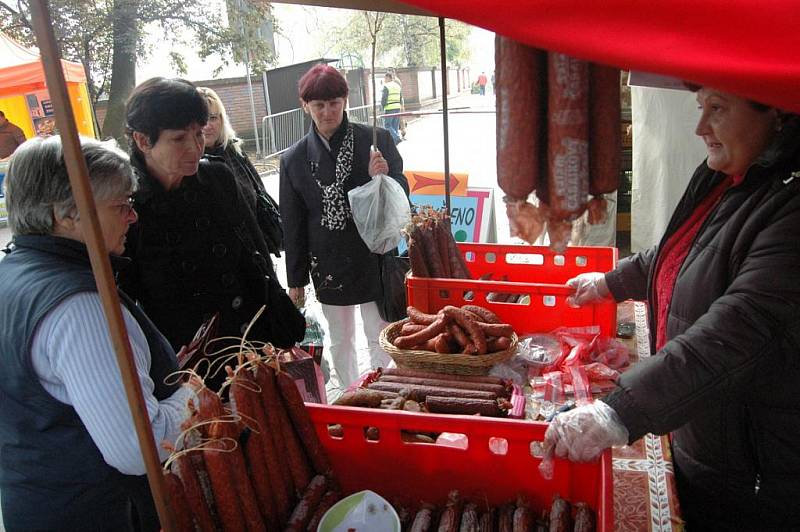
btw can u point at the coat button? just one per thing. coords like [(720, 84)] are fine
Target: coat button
[(228, 279), (243, 328), (259, 260), (237, 302), (189, 266), (219, 250), (202, 224)]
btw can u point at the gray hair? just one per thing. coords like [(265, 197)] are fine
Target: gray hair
[(38, 188), (227, 135)]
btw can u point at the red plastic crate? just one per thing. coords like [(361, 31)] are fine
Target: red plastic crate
[(534, 271), (410, 473), (538, 264)]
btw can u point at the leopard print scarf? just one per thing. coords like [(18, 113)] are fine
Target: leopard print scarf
[(335, 207)]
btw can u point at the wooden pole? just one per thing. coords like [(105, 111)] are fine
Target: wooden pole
[(101, 266), (445, 123)]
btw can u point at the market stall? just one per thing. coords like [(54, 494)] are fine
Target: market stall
[(568, 478), (23, 91)]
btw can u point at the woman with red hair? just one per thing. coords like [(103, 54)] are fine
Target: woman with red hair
[(321, 238)]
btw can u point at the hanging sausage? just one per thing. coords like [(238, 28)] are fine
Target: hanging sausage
[(605, 141), (567, 146), (521, 131)]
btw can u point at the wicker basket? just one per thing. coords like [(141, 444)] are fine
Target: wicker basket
[(456, 364)]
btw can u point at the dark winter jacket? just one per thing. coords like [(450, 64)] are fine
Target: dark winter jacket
[(254, 193), (243, 170), (726, 382), (189, 261), (343, 269)]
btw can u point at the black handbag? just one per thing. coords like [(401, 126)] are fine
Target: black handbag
[(284, 324), (269, 221), (392, 306)]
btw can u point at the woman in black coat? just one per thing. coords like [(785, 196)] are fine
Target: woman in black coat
[(221, 142), (321, 238), (196, 247)]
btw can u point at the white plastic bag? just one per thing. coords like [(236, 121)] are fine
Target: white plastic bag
[(380, 209)]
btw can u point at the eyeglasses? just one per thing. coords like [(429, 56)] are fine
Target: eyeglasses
[(124, 209)]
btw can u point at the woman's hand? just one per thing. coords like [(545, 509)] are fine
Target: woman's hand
[(582, 434), (377, 164), (589, 288), (298, 295)]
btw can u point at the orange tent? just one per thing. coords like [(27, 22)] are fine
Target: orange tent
[(23, 96)]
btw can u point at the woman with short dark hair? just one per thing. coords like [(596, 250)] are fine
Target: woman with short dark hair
[(70, 453), (196, 247), (321, 237)]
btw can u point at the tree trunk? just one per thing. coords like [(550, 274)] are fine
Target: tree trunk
[(123, 67)]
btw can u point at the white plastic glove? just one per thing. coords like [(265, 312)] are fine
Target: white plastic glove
[(589, 288), (582, 434)]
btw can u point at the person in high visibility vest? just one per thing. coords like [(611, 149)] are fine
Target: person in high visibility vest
[(392, 103)]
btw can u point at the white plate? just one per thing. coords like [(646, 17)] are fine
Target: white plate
[(362, 512)]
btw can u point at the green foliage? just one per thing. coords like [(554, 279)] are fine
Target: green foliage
[(403, 40), (84, 31)]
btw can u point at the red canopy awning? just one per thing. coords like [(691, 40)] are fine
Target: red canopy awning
[(747, 47)]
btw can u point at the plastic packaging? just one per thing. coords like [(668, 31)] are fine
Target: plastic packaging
[(380, 209)]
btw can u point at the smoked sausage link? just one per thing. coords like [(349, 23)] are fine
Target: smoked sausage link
[(405, 372), (225, 496), (195, 495), (560, 515), (567, 137), (520, 72), (451, 516), (304, 511), (303, 424), (180, 506), (605, 139), (584, 518)]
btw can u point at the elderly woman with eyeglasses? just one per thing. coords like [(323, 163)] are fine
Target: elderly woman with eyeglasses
[(70, 454)]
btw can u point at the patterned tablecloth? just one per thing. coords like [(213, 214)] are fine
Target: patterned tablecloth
[(645, 497)]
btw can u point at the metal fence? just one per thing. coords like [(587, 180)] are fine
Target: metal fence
[(281, 130)]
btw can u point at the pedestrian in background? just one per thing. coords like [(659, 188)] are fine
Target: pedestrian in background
[(482, 81), (11, 136), (392, 104), (321, 237)]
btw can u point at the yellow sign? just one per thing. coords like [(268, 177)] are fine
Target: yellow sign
[(432, 183)]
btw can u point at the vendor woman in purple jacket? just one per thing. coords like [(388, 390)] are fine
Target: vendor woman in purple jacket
[(723, 288)]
